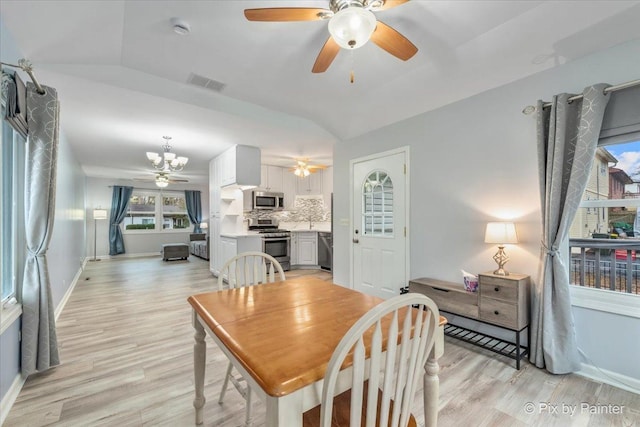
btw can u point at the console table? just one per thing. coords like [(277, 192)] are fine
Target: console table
[(501, 301)]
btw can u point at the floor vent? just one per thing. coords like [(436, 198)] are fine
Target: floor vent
[(207, 83)]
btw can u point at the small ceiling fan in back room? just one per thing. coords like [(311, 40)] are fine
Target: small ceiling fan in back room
[(351, 24), (303, 168)]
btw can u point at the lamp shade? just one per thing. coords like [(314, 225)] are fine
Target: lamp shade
[(204, 225), (99, 214), (501, 233), (352, 27)]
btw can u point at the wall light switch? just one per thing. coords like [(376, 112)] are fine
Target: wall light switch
[(344, 221)]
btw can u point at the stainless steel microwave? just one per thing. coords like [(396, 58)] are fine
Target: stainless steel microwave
[(263, 200)]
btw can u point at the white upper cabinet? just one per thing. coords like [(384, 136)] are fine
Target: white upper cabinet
[(271, 178), (289, 188), (240, 165), (310, 185), (327, 186)]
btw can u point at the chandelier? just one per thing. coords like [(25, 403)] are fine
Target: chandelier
[(168, 162)]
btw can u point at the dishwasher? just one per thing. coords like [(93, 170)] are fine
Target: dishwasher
[(325, 250)]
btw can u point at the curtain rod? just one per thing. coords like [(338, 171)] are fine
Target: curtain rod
[(530, 108), (26, 66)]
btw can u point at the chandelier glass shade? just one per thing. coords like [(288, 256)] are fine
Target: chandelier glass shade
[(352, 27), (168, 161)]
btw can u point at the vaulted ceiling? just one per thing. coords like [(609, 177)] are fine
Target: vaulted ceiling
[(125, 78)]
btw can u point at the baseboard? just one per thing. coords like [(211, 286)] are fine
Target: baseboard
[(67, 294), (612, 378), (10, 397)]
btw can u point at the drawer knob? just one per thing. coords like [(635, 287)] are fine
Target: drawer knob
[(497, 289), (496, 312)]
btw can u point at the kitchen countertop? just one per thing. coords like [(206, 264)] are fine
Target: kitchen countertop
[(241, 234), (304, 226)]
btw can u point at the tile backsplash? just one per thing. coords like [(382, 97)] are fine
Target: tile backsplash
[(306, 208)]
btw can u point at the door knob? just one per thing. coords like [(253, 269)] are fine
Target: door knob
[(356, 241)]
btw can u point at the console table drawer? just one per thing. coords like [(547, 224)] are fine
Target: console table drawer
[(448, 296), (494, 287), (499, 312)]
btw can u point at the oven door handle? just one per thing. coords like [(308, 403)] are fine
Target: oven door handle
[(272, 239)]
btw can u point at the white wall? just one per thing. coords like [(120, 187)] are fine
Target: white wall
[(67, 247), (475, 161), (99, 193)]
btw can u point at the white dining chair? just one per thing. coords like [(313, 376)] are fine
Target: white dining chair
[(246, 269), (383, 382)]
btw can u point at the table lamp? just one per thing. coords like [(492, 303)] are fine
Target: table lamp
[(204, 226), (501, 233)]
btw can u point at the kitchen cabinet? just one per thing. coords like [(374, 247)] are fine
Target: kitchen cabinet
[(289, 188), (294, 249), (240, 166), (231, 246), (228, 249), (214, 244), (271, 178), (307, 248), (327, 186), (214, 186), (310, 185)]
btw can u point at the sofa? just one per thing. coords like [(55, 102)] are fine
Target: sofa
[(199, 245)]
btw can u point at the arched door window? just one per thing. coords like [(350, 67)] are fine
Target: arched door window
[(377, 206)]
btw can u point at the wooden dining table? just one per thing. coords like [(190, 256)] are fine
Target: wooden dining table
[(280, 337)]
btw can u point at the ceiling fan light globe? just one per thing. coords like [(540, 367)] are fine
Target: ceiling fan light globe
[(169, 157), (152, 156), (352, 27), (183, 160), (297, 172), (305, 172)]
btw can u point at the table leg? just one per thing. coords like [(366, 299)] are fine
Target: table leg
[(431, 389), (199, 358), (284, 410)]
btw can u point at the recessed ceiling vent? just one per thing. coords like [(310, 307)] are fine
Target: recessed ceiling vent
[(205, 82)]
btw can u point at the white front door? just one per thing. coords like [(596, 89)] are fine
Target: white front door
[(379, 241)]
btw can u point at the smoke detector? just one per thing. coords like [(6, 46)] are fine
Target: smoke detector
[(180, 26)]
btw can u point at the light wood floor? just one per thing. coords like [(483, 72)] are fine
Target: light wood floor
[(126, 345)]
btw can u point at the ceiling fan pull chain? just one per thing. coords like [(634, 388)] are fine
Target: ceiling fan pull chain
[(352, 77)]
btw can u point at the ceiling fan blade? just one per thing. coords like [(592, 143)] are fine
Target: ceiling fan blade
[(280, 14), (178, 180), (393, 42), (326, 56), (388, 4)]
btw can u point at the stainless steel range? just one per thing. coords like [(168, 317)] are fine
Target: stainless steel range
[(275, 241)]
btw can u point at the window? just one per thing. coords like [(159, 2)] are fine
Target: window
[(12, 234), (609, 212), (174, 212), (377, 215), (156, 211)]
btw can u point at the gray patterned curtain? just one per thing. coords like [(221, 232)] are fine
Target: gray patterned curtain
[(567, 141), (194, 209), (119, 203), (39, 342)]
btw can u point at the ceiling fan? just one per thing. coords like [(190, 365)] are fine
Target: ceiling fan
[(302, 168), (351, 25), (162, 179)]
